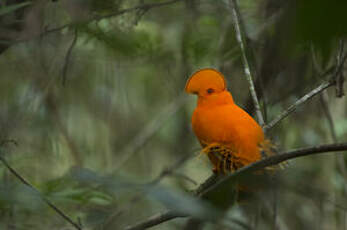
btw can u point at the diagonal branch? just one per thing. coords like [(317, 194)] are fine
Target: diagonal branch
[(335, 71), (248, 71), (302, 100), (156, 219), (144, 7), (339, 159), (149, 130), (281, 157), (44, 199), (68, 57), (213, 182)]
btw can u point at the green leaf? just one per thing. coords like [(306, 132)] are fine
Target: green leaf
[(14, 7)]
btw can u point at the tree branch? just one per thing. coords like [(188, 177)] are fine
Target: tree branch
[(337, 69), (214, 181), (139, 7), (145, 7), (302, 100), (155, 220), (149, 130), (339, 78), (248, 71), (68, 57), (44, 199), (340, 162), (281, 157)]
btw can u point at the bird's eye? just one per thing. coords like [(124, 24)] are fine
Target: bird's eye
[(210, 90)]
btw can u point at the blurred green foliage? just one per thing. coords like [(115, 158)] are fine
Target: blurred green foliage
[(94, 146)]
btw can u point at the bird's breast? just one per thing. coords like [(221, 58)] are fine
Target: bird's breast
[(213, 125), (229, 125)]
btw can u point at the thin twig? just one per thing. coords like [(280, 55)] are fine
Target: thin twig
[(44, 199), (184, 177), (248, 71), (207, 184), (302, 100), (339, 77), (170, 214), (149, 130), (339, 158), (307, 190), (328, 115), (8, 141), (278, 222), (240, 223), (335, 70), (166, 172), (144, 7), (274, 207), (323, 96), (324, 102), (155, 220), (68, 57), (170, 171), (316, 67), (139, 7), (214, 181)]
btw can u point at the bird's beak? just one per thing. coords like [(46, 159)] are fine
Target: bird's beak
[(192, 92)]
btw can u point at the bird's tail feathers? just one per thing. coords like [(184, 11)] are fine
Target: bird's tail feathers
[(268, 149)]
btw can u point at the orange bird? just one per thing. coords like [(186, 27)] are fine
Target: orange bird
[(230, 137)]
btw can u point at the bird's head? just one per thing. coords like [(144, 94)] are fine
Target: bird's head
[(206, 82)]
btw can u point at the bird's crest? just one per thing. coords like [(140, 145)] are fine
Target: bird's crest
[(206, 81)]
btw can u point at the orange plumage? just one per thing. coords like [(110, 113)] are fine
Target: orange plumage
[(229, 135)]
